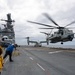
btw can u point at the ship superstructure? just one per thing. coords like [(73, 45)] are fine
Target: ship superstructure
[(7, 34)]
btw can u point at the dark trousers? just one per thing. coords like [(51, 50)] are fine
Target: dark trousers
[(8, 53)]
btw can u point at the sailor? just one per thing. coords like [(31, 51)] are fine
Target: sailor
[(1, 60), (9, 51)]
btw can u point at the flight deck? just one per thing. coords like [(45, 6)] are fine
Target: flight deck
[(41, 61)]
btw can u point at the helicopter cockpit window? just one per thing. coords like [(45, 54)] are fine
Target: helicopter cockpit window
[(52, 35), (60, 32)]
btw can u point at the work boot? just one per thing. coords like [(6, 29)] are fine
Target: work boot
[(11, 60), (0, 73)]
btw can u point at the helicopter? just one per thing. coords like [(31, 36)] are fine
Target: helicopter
[(47, 36), (63, 34), (37, 43)]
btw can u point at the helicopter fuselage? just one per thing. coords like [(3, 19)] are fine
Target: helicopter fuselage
[(62, 35)]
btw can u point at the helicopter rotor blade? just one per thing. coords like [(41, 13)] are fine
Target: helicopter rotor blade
[(40, 24), (51, 19), (46, 28), (45, 33), (71, 27), (70, 23), (51, 31)]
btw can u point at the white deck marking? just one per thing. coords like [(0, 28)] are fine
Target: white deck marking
[(31, 58), (55, 52), (6, 59), (41, 67)]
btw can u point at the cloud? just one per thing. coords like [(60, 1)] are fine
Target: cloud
[(62, 11)]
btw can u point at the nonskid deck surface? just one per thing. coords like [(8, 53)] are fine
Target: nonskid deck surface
[(40, 61)]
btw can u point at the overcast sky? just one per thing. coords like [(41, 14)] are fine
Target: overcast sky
[(62, 11)]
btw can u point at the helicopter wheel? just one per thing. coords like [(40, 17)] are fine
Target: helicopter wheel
[(61, 42)]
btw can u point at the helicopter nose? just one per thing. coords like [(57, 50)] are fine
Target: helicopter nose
[(71, 37)]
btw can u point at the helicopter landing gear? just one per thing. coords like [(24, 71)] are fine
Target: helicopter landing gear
[(61, 42)]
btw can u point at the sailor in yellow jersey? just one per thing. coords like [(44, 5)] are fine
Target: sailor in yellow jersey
[(1, 47), (1, 60)]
